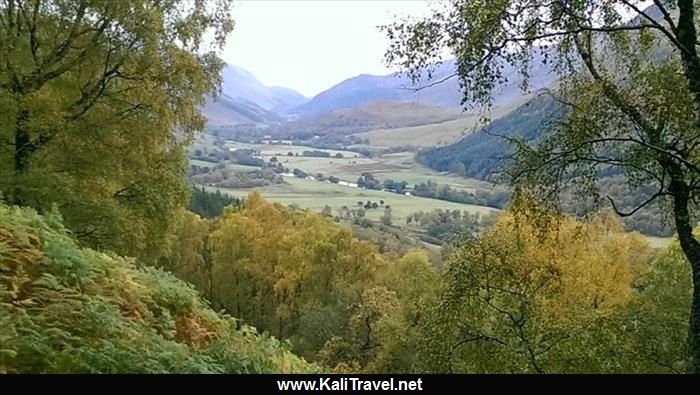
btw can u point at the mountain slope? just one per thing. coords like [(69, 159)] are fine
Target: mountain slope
[(243, 86), (435, 133), (368, 88), (479, 155), (365, 117), (227, 111), (68, 309)]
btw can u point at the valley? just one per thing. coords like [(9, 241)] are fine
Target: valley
[(312, 193), (316, 192)]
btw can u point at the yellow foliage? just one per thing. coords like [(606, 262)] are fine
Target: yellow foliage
[(572, 267)]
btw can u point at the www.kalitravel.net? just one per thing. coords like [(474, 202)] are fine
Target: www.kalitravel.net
[(350, 384)]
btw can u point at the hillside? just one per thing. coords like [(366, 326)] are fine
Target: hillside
[(367, 116), (434, 134), (227, 111), (479, 154), (242, 85), (368, 88), (68, 309)]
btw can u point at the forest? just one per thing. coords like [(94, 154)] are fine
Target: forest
[(112, 261)]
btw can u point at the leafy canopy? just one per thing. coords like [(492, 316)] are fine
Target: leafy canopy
[(99, 99)]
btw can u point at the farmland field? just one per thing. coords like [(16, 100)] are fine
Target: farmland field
[(659, 242), (434, 134), (398, 167), (316, 195)]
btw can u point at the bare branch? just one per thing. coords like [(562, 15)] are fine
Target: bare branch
[(641, 206), (442, 80)]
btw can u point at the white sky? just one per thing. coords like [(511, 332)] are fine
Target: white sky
[(311, 45)]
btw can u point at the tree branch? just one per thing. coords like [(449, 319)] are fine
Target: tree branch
[(641, 206)]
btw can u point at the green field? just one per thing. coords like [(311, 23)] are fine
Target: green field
[(659, 242), (281, 150), (435, 134), (202, 163), (398, 167), (422, 136), (316, 195)]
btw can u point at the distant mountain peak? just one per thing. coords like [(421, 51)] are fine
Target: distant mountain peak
[(241, 84), (246, 100), (365, 88)]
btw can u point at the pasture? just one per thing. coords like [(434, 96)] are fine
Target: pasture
[(316, 195), (436, 134), (398, 167)]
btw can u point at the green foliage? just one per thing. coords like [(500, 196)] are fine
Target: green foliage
[(91, 94), (445, 225), (574, 297), (299, 276), (531, 293), (210, 204), (629, 84), (66, 309), (496, 197), (482, 154)]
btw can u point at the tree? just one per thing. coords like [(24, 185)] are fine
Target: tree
[(70, 309), (91, 94), (291, 273), (520, 298), (629, 95), (327, 211), (386, 217)]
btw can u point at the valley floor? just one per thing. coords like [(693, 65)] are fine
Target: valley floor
[(348, 166), (316, 195)]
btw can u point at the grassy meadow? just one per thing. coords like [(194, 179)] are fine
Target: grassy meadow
[(316, 195), (398, 167)]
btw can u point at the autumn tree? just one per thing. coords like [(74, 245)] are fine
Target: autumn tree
[(518, 298), (629, 92), (99, 99), (292, 273)]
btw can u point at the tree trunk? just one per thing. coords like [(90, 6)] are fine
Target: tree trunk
[(687, 37), (22, 152), (691, 249)]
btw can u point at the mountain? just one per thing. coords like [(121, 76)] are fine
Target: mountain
[(242, 86), (246, 100), (341, 123), (480, 154), (227, 111), (368, 88)]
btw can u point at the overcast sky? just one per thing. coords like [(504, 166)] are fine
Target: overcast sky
[(311, 45)]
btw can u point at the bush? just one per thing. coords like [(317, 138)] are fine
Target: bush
[(69, 309)]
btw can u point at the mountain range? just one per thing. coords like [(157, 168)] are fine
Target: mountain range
[(397, 87), (245, 100)]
